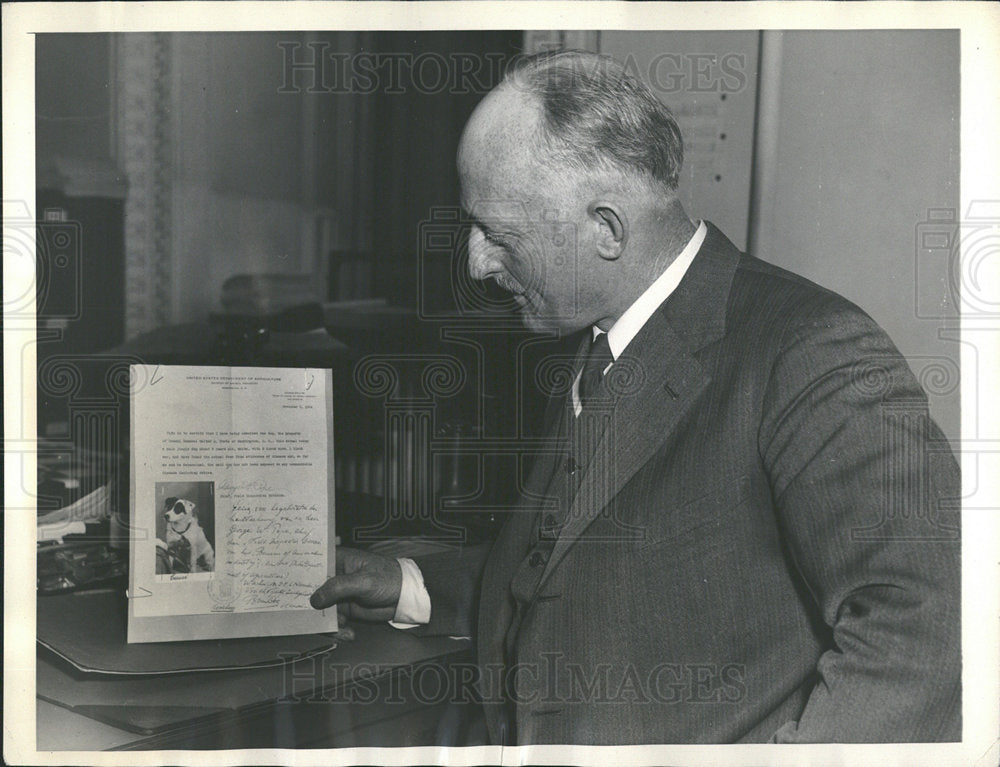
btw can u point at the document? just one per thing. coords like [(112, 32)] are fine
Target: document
[(232, 518)]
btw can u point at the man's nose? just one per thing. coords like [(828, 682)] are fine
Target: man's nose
[(482, 261)]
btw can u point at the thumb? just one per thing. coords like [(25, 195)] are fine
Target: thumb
[(341, 588)]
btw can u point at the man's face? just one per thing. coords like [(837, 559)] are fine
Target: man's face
[(523, 235), (528, 255)]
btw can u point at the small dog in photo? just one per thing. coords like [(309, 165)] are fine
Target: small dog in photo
[(188, 550)]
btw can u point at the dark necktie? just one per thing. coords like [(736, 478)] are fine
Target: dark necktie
[(593, 369)]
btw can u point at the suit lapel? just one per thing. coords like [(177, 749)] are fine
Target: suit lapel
[(638, 424), (516, 535), (557, 410), (653, 384)]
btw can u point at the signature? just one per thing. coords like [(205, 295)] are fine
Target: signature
[(254, 485)]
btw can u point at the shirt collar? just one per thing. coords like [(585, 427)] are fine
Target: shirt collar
[(632, 320)]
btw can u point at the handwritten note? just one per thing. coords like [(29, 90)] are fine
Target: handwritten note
[(231, 501), (277, 552)]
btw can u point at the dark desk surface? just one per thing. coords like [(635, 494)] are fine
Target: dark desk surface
[(363, 692)]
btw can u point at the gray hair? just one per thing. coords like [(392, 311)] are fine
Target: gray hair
[(597, 114)]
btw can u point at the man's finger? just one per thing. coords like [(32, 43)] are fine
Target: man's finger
[(339, 589)]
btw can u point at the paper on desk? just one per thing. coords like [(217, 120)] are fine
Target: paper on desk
[(93, 507), (72, 519), (232, 501)]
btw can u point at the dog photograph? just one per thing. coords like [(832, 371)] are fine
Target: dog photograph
[(185, 528)]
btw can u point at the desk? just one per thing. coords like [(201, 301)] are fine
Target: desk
[(386, 688)]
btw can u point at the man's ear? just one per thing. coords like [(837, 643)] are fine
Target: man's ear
[(612, 228)]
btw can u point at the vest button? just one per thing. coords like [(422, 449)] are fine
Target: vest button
[(537, 559), (570, 466)]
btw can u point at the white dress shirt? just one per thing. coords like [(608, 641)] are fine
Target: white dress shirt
[(414, 606), (632, 320)]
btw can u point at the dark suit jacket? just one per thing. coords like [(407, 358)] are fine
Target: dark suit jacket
[(762, 545)]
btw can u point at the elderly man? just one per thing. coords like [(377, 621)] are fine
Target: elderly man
[(746, 528)]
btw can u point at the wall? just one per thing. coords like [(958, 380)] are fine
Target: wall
[(243, 172), (73, 96), (863, 142), (225, 173), (834, 154), (80, 302)]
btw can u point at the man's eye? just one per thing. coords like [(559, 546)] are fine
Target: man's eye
[(496, 239)]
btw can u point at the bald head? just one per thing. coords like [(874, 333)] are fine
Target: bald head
[(501, 147), (579, 116), (596, 114), (536, 166)]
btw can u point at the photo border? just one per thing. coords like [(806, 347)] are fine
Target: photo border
[(980, 123)]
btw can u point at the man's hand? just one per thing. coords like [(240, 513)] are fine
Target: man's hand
[(366, 586)]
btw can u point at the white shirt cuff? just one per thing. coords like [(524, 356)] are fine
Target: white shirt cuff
[(414, 605)]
